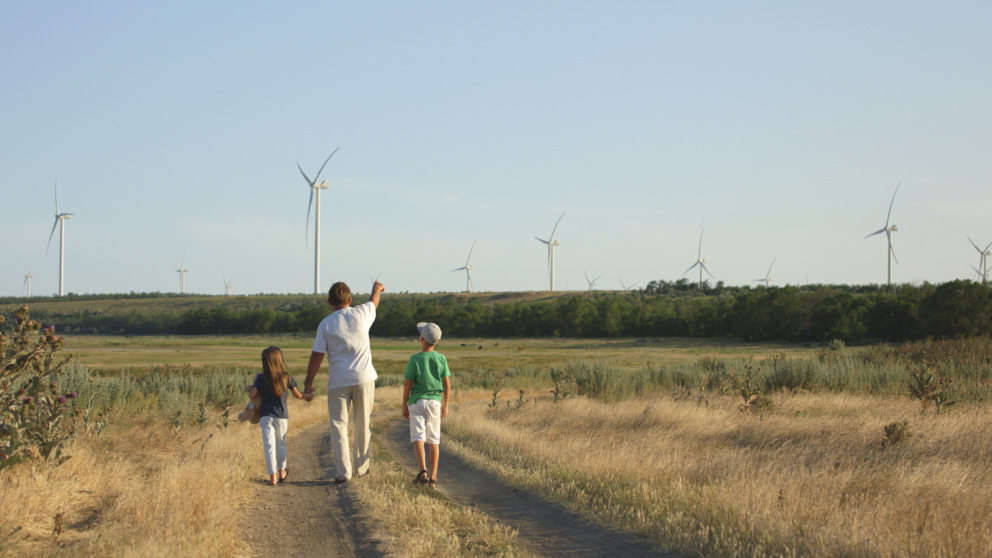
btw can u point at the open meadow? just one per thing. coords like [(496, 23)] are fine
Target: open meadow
[(700, 447)]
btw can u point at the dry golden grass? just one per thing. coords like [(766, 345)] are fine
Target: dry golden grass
[(143, 488), (808, 478)]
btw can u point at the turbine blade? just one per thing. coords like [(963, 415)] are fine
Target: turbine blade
[(879, 231), (690, 268), (307, 233), (56, 195), (556, 226), (542, 240), (310, 183), (699, 255), (470, 252), (50, 236), (770, 267), (453, 270), (980, 251), (893, 252), (890, 205), (707, 271), (597, 279), (325, 164)]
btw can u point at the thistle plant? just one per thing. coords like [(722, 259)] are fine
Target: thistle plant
[(926, 385), (36, 419)]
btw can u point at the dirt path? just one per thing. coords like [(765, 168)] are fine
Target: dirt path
[(543, 527), (317, 517), (308, 515)]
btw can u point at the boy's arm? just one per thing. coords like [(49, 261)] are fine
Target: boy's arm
[(444, 397), (407, 388)]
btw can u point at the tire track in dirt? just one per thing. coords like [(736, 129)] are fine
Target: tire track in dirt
[(542, 527), (308, 515)]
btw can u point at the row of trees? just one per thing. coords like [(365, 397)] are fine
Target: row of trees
[(819, 313)]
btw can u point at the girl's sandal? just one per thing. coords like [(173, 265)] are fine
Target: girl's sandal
[(432, 483), (421, 477)]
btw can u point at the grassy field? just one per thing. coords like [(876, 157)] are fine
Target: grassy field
[(116, 354), (654, 439)]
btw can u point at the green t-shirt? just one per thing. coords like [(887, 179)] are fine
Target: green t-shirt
[(426, 370)]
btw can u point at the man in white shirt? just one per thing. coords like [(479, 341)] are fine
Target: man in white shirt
[(344, 337)]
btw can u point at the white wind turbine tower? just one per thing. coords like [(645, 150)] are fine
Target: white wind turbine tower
[(227, 286), (983, 262), (701, 262), (468, 269), (888, 230), (182, 274), (27, 283), (315, 189), (551, 242), (768, 275), (60, 217), (592, 283)]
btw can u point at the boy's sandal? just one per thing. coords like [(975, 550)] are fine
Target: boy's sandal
[(421, 477), (432, 483)]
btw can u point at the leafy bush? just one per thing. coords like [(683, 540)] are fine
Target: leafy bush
[(36, 419)]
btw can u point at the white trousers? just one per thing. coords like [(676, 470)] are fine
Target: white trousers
[(358, 399), (274, 442)]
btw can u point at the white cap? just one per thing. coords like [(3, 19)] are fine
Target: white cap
[(430, 332)]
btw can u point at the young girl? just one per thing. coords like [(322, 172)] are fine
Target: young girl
[(273, 384)]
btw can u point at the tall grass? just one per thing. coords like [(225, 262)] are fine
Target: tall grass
[(810, 477)]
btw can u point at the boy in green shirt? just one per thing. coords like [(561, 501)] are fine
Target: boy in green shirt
[(425, 400)]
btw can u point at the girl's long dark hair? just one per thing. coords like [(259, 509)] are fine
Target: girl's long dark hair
[(274, 371)]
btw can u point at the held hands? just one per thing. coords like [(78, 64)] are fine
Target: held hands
[(308, 396)]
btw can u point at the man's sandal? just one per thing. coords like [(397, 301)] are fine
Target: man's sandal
[(421, 477), (432, 483)]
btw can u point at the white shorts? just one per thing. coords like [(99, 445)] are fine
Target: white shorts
[(425, 421)]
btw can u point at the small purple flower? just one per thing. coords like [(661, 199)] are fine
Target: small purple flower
[(29, 400), (62, 399), (73, 395)]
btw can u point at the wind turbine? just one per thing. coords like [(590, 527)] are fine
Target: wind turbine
[(468, 269), (768, 275), (593, 282), (983, 263), (700, 261), (551, 242), (315, 189), (182, 274), (627, 287), (888, 230), (227, 286), (60, 217), (27, 283)]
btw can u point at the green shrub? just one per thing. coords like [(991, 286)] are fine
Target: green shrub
[(36, 417)]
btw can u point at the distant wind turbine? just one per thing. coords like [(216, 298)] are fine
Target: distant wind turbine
[(768, 275), (27, 283), (551, 242), (182, 274), (701, 262), (983, 262), (888, 230), (626, 287), (468, 269), (227, 286), (593, 282), (315, 189), (60, 217)]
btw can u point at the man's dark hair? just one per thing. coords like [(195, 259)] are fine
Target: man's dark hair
[(339, 294)]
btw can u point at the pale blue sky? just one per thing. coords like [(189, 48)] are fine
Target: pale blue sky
[(781, 128)]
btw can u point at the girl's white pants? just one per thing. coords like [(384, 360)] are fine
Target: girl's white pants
[(274, 442)]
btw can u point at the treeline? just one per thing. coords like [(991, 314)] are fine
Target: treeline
[(806, 314)]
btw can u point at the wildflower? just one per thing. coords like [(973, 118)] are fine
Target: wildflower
[(73, 395), (29, 400), (62, 399)]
